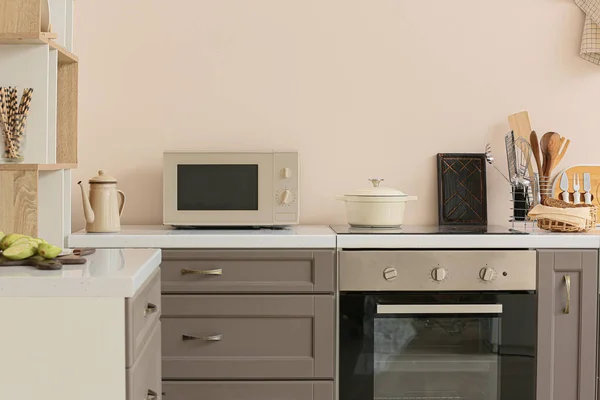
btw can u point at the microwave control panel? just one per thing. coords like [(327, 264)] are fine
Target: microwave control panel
[(286, 181)]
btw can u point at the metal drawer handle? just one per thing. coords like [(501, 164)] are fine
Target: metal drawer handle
[(568, 286), (215, 272), (152, 395), (150, 309), (210, 338)]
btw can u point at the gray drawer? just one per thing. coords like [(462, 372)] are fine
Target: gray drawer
[(248, 390), (242, 271), (248, 337), (144, 377), (142, 313)]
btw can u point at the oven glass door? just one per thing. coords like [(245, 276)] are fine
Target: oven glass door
[(443, 346)]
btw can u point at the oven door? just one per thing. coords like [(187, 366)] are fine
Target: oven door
[(233, 189), (437, 346)]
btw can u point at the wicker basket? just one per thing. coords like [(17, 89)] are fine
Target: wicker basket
[(557, 226)]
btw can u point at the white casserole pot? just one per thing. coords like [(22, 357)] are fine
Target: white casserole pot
[(378, 206)]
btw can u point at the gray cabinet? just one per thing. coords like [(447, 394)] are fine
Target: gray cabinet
[(259, 390), (567, 317), (248, 271), (248, 324), (248, 337)]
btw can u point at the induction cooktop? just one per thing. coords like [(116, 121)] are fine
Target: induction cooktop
[(429, 230)]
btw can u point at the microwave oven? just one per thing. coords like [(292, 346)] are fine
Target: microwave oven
[(250, 189)]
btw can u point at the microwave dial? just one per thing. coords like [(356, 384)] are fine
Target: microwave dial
[(285, 197)]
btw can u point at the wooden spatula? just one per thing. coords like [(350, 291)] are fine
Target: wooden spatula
[(521, 126)]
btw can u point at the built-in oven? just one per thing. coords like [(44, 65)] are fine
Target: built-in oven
[(429, 325)]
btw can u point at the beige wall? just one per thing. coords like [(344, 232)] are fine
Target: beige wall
[(370, 88)]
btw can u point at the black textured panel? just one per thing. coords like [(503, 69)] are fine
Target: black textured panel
[(462, 195)]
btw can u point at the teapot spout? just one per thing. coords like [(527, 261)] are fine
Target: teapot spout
[(87, 207)]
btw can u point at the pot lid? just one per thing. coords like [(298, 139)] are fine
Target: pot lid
[(103, 178), (377, 190)]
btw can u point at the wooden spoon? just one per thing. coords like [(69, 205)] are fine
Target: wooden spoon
[(535, 147), (550, 145)]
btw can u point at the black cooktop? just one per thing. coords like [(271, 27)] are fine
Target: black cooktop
[(429, 230)]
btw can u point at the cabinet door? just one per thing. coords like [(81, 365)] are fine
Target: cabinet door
[(567, 311), (248, 337)]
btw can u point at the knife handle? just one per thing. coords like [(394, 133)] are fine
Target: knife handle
[(565, 196), (576, 197), (587, 198)]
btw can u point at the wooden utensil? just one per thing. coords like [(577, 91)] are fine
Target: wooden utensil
[(521, 126), (550, 146), (564, 145), (535, 147)]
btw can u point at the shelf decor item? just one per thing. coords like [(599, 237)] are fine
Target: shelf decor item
[(13, 122)]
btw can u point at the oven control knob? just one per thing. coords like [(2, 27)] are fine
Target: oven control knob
[(286, 197), (487, 274), (438, 274), (390, 274)]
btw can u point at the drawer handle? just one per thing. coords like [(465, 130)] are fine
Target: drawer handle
[(568, 287), (210, 338), (152, 395), (214, 272), (150, 309)]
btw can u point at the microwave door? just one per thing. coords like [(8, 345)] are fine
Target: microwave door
[(217, 187)]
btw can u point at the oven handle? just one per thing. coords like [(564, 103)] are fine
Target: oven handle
[(439, 308)]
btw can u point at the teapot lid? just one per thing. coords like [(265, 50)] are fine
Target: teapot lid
[(103, 178)]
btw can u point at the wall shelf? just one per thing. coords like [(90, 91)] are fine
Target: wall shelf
[(36, 167), (36, 196), (64, 55)]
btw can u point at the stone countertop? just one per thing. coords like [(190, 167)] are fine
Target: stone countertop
[(321, 236), (160, 236), (535, 239), (107, 273)]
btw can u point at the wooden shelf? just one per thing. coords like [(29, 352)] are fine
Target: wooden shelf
[(37, 167), (64, 55)]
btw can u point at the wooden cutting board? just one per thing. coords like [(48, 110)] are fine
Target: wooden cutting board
[(50, 265), (593, 170)]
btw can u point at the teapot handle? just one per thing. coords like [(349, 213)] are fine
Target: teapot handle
[(121, 201)]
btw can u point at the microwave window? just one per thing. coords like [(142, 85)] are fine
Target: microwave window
[(217, 187)]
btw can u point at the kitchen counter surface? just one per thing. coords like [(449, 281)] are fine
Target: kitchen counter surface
[(159, 236), (536, 239), (107, 273)]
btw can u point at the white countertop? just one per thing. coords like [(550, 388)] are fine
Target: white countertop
[(107, 273), (320, 236), (159, 236), (536, 239)]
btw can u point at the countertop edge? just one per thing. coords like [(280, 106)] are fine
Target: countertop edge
[(122, 287)]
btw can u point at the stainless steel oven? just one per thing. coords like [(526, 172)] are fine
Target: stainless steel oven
[(428, 325)]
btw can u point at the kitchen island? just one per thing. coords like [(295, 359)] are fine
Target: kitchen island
[(88, 331)]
